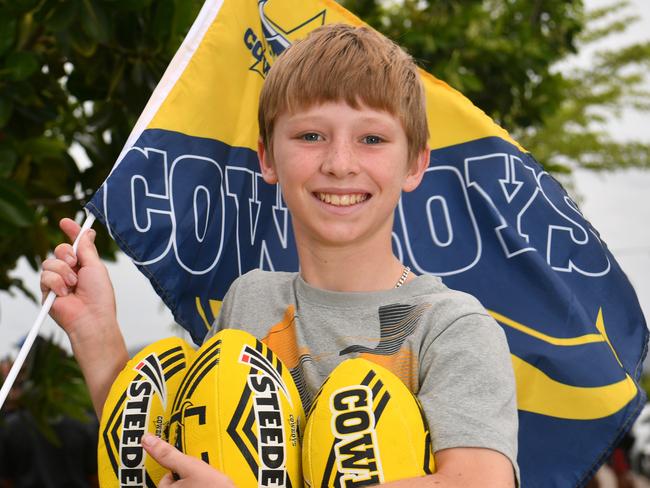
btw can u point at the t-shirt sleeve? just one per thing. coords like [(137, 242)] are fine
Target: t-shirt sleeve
[(221, 322), (467, 387)]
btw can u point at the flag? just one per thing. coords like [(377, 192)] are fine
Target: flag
[(187, 203)]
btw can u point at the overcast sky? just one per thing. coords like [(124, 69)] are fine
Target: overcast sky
[(617, 204)]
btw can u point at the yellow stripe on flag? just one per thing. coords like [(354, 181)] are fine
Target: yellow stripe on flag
[(541, 394)]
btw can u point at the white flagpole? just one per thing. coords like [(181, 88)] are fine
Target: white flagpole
[(33, 332)]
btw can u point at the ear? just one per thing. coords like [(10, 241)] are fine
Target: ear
[(416, 170), (266, 163)]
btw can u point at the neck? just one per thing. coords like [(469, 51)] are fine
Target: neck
[(350, 269)]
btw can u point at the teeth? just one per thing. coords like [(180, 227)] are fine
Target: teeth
[(342, 200)]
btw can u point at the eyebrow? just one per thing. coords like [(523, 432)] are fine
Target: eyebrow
[(365, 119)]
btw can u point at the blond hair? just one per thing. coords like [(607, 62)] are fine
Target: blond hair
[(338, 62)]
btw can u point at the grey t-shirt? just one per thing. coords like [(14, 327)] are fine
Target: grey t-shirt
[(440, 342)]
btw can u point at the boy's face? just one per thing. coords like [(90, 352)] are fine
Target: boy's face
[(341, 171)]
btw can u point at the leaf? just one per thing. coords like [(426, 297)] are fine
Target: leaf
[(53, 388), (95, 22), (184, 14), (130, 5), (14, 209), (41, 148), (7, 32), (161, 27), (6, 107), (116, 78), (8, 158), (82, 43), (21, 65), (40, 238), (18, 7), (62, 16), (137, 72)]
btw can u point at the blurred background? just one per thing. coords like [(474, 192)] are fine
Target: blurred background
[(570, 79)]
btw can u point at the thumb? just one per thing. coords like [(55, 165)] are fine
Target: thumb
[(86, 250), (167, 455), (70, 228)]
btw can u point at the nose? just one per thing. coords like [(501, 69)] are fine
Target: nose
[(340, 160)]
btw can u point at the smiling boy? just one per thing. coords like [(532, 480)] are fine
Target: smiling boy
[(343, 131)]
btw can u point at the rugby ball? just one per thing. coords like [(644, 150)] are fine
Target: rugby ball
[(364, 428), (140, 401), (238, 409)]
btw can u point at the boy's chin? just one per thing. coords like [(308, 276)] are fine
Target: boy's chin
[(346, 236)]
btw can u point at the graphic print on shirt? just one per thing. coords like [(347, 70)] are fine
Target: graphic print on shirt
[(396, 323), (281, 339)]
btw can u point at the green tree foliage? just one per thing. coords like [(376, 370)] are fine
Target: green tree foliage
[(74, 71), (80, 71), (50, 386), (615, 80)]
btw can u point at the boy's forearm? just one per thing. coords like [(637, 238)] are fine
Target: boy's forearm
[(443, 481), (101, 357), (465, 468)]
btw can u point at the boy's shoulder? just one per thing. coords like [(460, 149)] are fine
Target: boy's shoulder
[(447, 307), (432, 288), (256, 298), (260, 283), (261, 276)]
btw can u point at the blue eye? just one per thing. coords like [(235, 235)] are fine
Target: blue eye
[(310, 137), (372, 140)]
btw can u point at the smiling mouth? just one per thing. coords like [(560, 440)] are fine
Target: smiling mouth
[(344, 200)]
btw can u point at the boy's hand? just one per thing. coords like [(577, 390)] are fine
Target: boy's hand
[(192, 471), (85, 294)]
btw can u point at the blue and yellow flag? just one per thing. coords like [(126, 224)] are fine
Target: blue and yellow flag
[(187, 203)]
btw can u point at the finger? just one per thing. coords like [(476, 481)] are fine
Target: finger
[(168, 456), (70, 228), (86, 251), (166, 481), (62, 269), (51, 281), (65, 253)]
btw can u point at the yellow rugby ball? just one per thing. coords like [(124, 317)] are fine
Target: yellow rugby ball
[(140, 401), (239, 410), (364, 428)]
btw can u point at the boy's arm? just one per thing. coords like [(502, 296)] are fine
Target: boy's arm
[(466, 468), (101, 356), (85, 310), (468, 396), (457, 468)]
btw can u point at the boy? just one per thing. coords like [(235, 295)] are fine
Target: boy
[(343, 131)]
